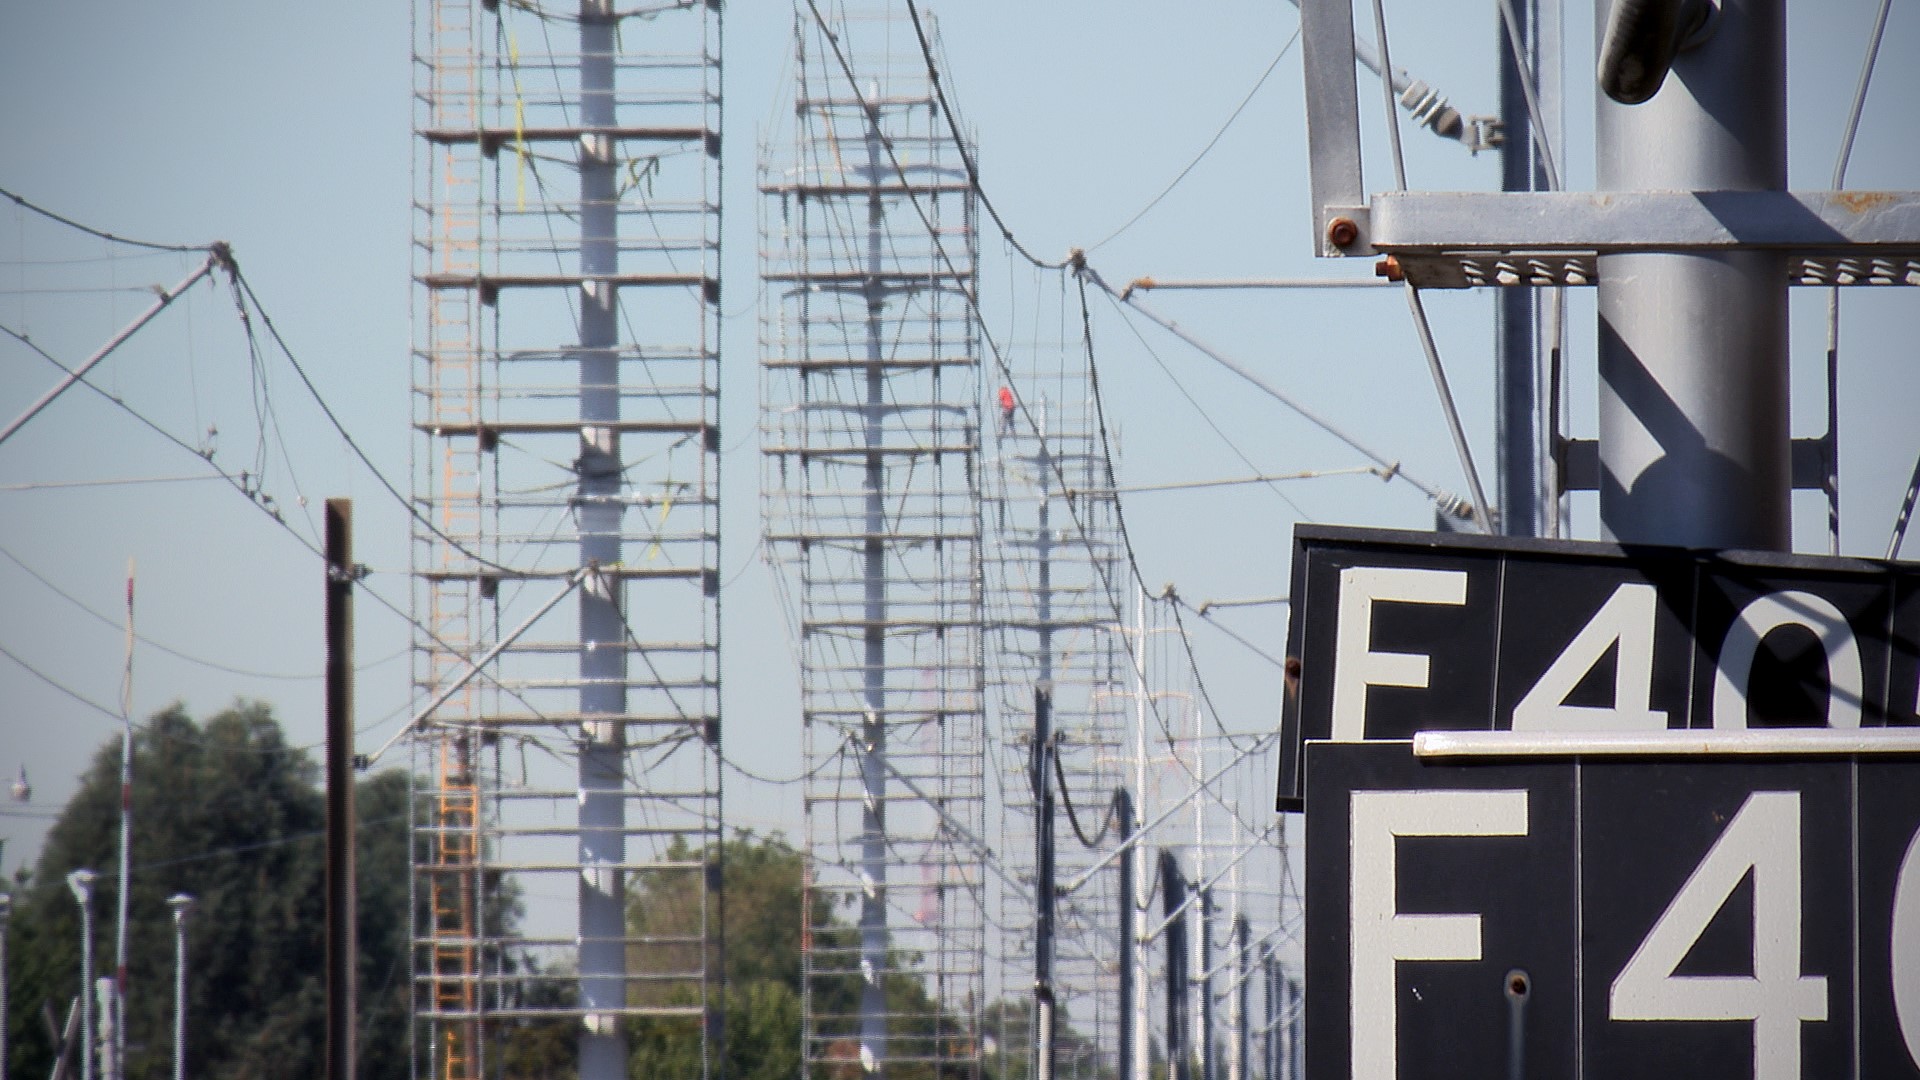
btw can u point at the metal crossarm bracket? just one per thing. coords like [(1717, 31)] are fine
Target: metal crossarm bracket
[(1458, 239)]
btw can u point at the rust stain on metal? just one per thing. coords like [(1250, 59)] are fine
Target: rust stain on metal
[(1342, 231), (1861, 202)]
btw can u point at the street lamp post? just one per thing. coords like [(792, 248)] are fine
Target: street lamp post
[(181, 903), (81, 882)]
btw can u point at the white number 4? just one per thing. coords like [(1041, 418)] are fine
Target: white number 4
[(1765, 837)]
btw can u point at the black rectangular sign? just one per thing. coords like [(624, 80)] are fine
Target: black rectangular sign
[(1399, 632), (1600, 917)]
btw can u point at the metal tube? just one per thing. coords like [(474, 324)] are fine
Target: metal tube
[(218, 257), (603, 655), (1694, 443)]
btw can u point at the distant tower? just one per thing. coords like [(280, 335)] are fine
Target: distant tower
[(566, 234), (871, 460), (1059, 591)]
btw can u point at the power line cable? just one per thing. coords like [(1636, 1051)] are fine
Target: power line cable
[(168, 649), (334, 419), (62, 687), (953, 129), (246, 487), (102, 233), (1205, 150)]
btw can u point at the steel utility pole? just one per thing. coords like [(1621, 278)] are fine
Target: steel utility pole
[(603, 646), (1173, 900), (342, 922), (1522, 415), (1694, 443), (1208, 1065), (1041, 758), (6, 909), (1123, 823)]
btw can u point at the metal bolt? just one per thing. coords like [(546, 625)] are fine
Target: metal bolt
[(1342, 231), (1390, 269)]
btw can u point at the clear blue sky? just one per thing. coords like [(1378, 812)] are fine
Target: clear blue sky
[(284, 129)]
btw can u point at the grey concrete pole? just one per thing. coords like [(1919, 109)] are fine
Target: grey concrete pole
[(603, 651), (181, 904), (1694, 444), (81, 882), (873, 766)]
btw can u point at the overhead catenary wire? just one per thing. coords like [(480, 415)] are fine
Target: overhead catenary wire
[(333, 418), (953, 129), (76, 695), (1393, 468), (168, 649), (1078, 264), (1205, 150), (102, 233)]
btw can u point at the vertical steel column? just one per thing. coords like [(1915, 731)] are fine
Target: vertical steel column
[(603, 653), (1208, 1066), (342, 946), (1516, 365), (1694, 443), (1173, 900), (1123, 824), (1043, 897), (1243, 995), (1269, 1042), (1296, 1048), (873, 765)]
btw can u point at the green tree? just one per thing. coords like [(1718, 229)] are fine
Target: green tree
[(761, 1000), (229, 813)]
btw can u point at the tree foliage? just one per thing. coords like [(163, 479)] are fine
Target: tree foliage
[(230, 814)]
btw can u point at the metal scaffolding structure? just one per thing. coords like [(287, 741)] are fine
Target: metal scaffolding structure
[(872, 489), (1060, 589), (566, 235)]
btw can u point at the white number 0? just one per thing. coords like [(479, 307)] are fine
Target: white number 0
[(1764, 837)]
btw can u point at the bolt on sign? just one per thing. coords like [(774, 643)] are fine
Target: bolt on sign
[(1401, 632), (1605, 906)]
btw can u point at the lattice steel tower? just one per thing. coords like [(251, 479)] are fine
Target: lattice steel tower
[(1060, 588), (871, 441), (566, 231)]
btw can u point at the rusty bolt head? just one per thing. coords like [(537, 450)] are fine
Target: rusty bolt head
[(1342, 232), (1390, 269)]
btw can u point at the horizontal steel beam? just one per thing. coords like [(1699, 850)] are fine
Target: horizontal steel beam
[(1859, 223)]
